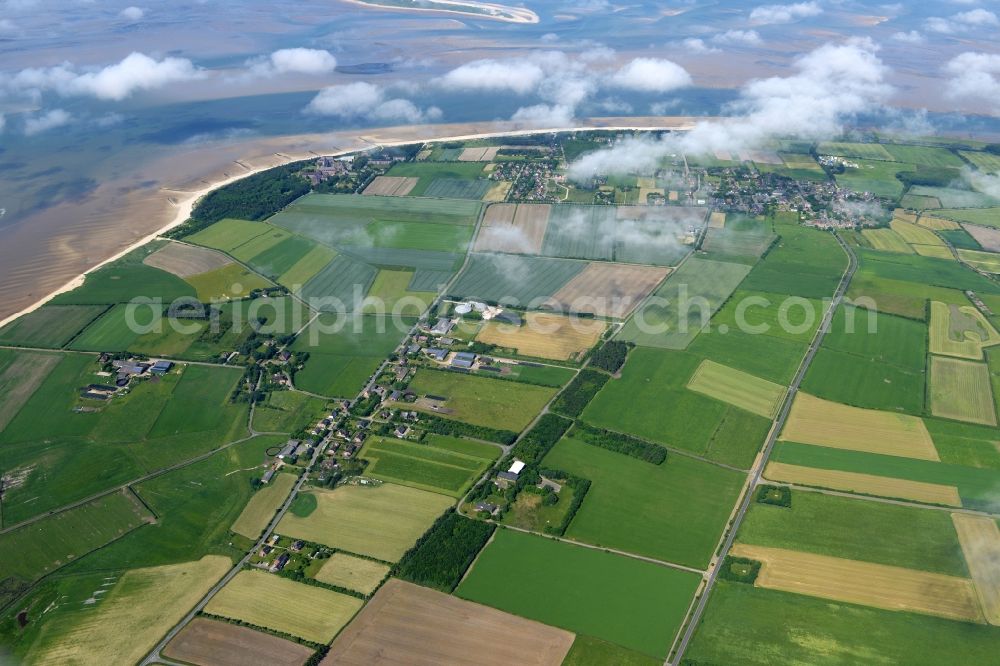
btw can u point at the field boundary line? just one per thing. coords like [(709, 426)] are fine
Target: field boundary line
[(884, 500)]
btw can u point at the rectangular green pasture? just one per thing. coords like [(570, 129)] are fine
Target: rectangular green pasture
[(287, 411), (465, 447), (425, 279), (111, 331), (975, 485), (389, 293), (753, 626), (879, 337), (965, 444), (773, 315), (305, 268), (931, 156), (428, 172), (917, 202), (876, 177), (457, 188), (546, 375), (766, 356), (635, 604), (50, 326), (493, 403), (924, 271), (886, 240), (651, 400), (960, 238), (271, 237), (864, 382), (398, 257), (281, 257), (858, 529), (228, 234), (745, 246), (340, 286), (674, 511), (424, 466), (514, 279), (37, 550), (125, 279), (871, 151), (664, 323), (420, 235), (982, 160), (985, 261), (232, 281), (961, 390), (804, 262), (737, 388), (580, 232), (986, 216), (954, 198), (200, 403)]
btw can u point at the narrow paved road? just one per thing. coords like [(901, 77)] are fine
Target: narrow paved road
[(758, 469)]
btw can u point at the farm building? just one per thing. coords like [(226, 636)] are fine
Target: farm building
[(436, 354), (442, 326), (505, 478), (268, 475), (161, 367), (289, 449), (516, 467), (462, 363)]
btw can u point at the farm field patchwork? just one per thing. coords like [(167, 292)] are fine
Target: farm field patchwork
[(635, 604), (352, 573), (987, 237), (185, 261), (865, 382), (607, 290), (867, 484), (985, 261), (550, 336), (980, 539), (283, 603), (50, 325), (986, 217), (423, 466), (391, 186), (381, 522), (21, 373), (513, 228), (961, 390), (390, 293), (824, 423), (493, 403), (450, 631), (228, 234), (281, 257), (305, 268), (686, 502), (955, 198), (231, 281), (518, 280), (737, 388), (875, 176), (205, 642), (286, 411), (851, 581), (886, 240), (263, 505)]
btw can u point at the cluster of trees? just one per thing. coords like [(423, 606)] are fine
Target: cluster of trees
[(580, 487), (611, 356), (619, 443), (776, 495), (441, 556), (740, 570), (542, 437), (441, 426), (578, 394)]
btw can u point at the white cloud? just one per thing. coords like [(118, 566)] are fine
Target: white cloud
[(362, 99), (738, 38), (132, 13), (779, 14), (695, 45), (832, 84), (974, 76), (911, 37), (46, 121), (294, 61), (962, 21), (136, 72), (519, 76), (545, 115), (651, 75)]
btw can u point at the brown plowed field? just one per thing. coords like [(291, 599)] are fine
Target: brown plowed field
[(207, 642), (514, 228), (608, 290), (980, 541), (186, 260), (391, 186), (414, 626)]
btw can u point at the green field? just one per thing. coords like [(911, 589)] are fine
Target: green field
[(420, 235), (924, 155), (37, 550), (431, 172), (742, 245), (878, 337), (858, 529), (424, 466), (389, 293), (674, 511), (982, 160), (961, 390), (651, 400), (352, 573), (985, 261), (49, 326), (976, 485), (590, 651), (876, 177), (227, 235), (954, 198), (753, 626), (768, 356), (804, 262), (664, 324), (344, 352), (263, 505), (340, 286), (271, 238), (484, 401), (515, 279), (232, 281), (381, 522), (629, 602), (546, 375), (305, 268), (457, 188), (887, 240), (282, 256), (755, 395), (865, 382), (872, 151), (123, 279), (986, 217), (287, 411)]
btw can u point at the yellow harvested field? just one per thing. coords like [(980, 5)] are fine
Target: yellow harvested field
[(825, 423), (408, 625), (391, 186), (352, 573), (717, 221), (478, 154), (545, 335), (887, 240), (141, 607), (514, 228), (866, 583), (904, 215), (186, 260), (915, 234), (961, 390), (267, 600), (498, 191), (207, 642), (260, 510), (960, 330), (868, 484), (737, 388), (935, 251), (608, 290), (980, 539), (937, 223), (984, 261)]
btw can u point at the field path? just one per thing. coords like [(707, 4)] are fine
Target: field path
[(755, 474)]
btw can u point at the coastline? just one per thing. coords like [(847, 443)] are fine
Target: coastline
[(515, 14), (184, 201)]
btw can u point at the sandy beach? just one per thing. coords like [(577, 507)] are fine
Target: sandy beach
[(56, 248)]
